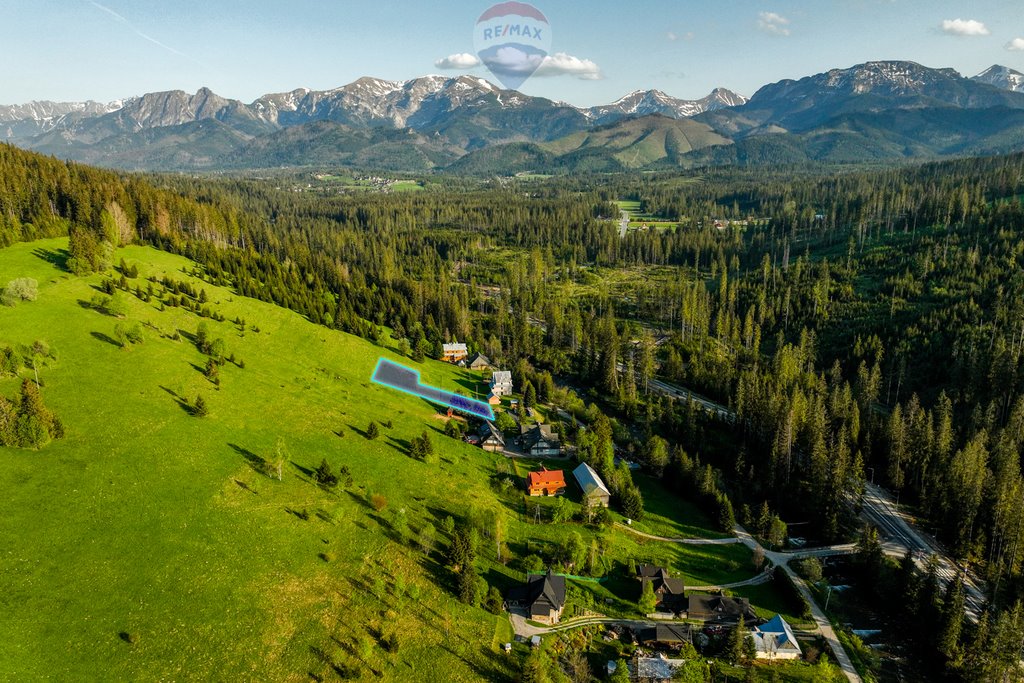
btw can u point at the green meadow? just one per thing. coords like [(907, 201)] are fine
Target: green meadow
[(150, 543)]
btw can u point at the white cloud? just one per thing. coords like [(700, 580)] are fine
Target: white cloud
[(773, 23), (964, 27), (460, 60), (1015, 45), (562, 64), (672, 36)]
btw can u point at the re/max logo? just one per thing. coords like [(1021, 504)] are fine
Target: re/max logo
[(510, 30)]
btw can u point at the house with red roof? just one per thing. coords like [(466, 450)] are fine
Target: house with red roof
[(546, 482)]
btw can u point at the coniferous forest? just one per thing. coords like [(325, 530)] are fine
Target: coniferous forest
[(859, 324)]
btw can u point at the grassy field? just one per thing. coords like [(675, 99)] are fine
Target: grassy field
[(149, 522), (638, 219), (152, 544)]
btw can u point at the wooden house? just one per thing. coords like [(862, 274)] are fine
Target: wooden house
[(591, 484), (543, 597), (491, 438), (668, 590), (454, 353), (546, 482), (540, 441)]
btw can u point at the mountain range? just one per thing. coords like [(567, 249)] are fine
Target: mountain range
[(872, 111)]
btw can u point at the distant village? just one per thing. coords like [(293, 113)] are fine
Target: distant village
[(679, 618)]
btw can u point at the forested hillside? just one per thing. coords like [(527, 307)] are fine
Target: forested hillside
[(862, 325)]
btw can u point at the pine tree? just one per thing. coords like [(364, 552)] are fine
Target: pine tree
[(373, 431), (529, 395), (735, 647), (648, 600)]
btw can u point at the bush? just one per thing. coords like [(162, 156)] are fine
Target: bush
[(809, 568), (378, 502), (373, 431), (20, 289)]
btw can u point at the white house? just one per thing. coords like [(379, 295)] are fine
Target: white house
[(775, 640), (501, 382)]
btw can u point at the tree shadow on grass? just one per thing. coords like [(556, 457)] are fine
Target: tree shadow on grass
[(245, 487), (484, 673), (360, 432), (105, 338), (352, 652), (57, 257), (87, 305), (300, 514), (360, 499), (403, 446), (305, 471), (388, 529), (258, 463), (182, 403)]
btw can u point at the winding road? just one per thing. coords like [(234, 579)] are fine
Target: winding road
[(780, 559)]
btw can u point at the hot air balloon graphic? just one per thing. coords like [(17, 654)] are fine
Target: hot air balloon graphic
[(512, 39)]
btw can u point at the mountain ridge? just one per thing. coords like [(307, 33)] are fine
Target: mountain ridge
[(433, 121)]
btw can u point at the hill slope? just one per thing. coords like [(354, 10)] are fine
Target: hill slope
[(153, 544), (148, 521), (653, 141)]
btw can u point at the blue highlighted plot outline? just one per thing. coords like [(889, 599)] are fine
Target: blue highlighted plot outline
[(395, 376)]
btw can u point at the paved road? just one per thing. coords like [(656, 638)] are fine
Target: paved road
[(780, 559), (896, 530), (679, 392), (688, 541), (623, 224), (528, 630), (893, 525), (824, 625)]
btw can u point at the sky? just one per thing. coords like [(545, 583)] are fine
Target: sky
[(103, 50)]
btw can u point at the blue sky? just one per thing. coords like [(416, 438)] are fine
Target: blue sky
[(107, 49)]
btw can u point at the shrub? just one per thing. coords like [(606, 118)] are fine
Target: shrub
[(378, 502), (20, 289), (373, 431)]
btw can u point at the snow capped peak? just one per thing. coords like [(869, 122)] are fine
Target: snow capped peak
[(1001, 77), (643, 102)]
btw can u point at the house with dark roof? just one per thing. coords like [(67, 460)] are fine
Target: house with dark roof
[(491, 438), (543, 597), (479, 362), (775, 640), (668, 590), (546, 482), (540, 441), (719, 609), (664, 636), (591, 484)]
